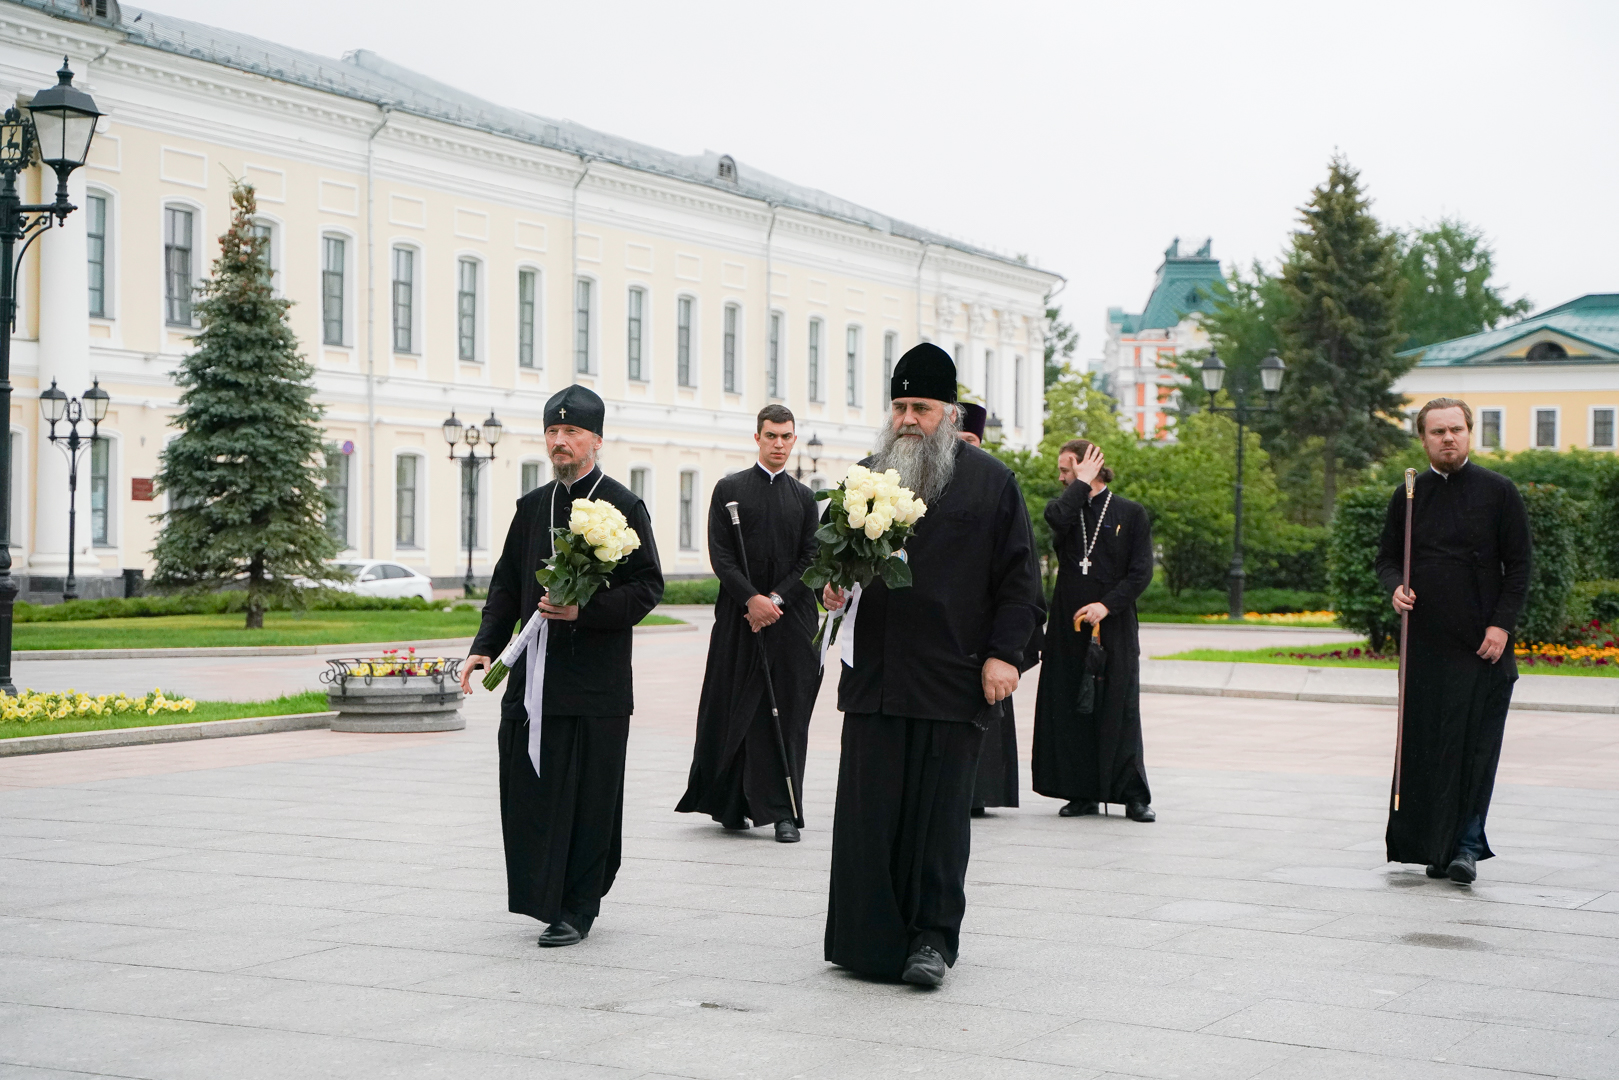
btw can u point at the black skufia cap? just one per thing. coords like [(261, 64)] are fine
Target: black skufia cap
[(576, 405), (973, 417), (925, 371)]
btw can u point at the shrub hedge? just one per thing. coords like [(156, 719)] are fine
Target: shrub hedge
[(219, 603), (1555, 522), (696, 591), (1357, 595)]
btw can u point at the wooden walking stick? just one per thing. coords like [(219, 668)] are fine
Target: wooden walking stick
[(764, 661), (1405, 631)]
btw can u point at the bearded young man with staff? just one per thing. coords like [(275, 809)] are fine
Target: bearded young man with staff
[(562, 766), (764, 619), (930, 662), (1469, 558)]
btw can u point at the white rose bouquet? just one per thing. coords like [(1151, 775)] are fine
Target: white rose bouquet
[(585, 554), (870, 518)]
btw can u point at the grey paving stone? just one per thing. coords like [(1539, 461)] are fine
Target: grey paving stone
[(1153, 1052), (1580, 1057), (1511, 1006), (1306, 1023), (1315, 1064)]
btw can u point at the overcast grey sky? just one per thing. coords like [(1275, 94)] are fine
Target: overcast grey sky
[(1084, 134)]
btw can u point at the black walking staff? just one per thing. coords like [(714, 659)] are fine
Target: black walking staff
[(764, 661), (1405, 630)]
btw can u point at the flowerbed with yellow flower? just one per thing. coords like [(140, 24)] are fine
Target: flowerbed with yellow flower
[(1595, 646), (32, 706), (1280, 618)]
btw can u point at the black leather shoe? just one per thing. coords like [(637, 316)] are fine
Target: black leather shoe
[(787, 833), (736, 826), (924, 967), (1437, 871), (1139, 811), (560, 933), (978, 811), (1463, 869), (1077, 808)]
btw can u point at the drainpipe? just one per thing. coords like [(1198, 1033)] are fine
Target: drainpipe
[(769, 233), (573, 245), (920, 262), (371, 337)]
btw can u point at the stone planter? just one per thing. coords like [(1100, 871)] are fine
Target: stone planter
[(392, 694)]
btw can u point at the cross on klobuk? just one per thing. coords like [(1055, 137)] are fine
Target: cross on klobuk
[(563, 412), (905, 384)]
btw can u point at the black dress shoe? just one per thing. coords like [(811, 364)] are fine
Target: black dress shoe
[(978, 811), (1463, 869), (560, 933), (924, 967), (1437, 871), (1139, 811), (1077, 808), (736, 826), (787, 833)]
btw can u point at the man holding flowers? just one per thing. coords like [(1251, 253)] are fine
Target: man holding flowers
[(932, 651), (562, 793)]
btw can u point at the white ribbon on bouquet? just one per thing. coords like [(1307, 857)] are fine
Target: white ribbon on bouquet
[(844, 614), (532, 640)]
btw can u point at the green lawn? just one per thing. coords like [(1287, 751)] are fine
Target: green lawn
[(1281, 656), (1201, 620), (280, 628), (313, 701)]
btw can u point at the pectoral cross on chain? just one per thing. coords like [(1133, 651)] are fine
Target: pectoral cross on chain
[(1085, 565)]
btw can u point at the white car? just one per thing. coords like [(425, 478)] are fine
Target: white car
[(377, 577)]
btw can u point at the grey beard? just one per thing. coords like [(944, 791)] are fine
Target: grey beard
[(569, 472), (924, 465)]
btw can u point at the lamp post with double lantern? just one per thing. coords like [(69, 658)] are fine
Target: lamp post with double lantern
[(471, 436), (1213, 373)]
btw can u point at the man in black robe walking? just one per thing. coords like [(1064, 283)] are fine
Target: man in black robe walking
[(1470, 551), (924, 665), (562, 826), (996, 783), (1104, 551), (736, 769)]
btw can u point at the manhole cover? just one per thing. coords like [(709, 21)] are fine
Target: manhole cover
[(1442, 941)]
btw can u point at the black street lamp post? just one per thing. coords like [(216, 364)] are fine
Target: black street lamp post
[(815, 457), (56, 407), (57, 125), (456, 432), (1270, 377)]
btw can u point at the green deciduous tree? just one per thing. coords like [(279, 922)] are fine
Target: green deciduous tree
[(244, 477), (1061, 341), (1342, 284), (1448, 293)]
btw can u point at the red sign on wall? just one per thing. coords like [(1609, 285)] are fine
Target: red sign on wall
[(141, 489)]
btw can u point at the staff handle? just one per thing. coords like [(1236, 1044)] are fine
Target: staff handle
[(764, 660), (1405, 634)]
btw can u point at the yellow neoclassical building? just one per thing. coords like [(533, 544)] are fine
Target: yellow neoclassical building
[(447, 253)]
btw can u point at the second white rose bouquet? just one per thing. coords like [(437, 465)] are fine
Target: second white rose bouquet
[(870, 518), (584, 555)]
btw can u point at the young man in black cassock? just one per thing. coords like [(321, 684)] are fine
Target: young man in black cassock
[(1104, 553), (562, 825), (736, 769), (1470, 551), (996, 783), (923, 668)]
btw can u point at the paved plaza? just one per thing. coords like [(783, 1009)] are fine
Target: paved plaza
[(314, 904)]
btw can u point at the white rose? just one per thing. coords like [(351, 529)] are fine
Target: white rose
[(857, 516), (875, 528)]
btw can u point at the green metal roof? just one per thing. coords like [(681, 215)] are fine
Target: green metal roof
[(1586, 329), (1183, 286)]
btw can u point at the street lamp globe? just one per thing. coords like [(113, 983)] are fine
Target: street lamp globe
[(993, 428), (1271, 370), (1213, 373), (492, 429), (64, 122), (96, 401), (53, 404), (452, 429)]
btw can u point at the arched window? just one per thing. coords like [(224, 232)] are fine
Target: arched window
[(1547, 350), (727, 168)]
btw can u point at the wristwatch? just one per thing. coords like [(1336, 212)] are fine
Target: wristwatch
[(775, 598)]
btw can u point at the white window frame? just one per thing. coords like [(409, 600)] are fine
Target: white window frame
[(637, 285), (776, 324), (890, 358), (854, 348), (1478, 437), (351, 246), (278, 232), (349, 531), (815, 358), (651, 481), (694, 351), (109, 251), (420, 546), (529, 267), (592, 327), (418, 310), (1019, 390), (737, 335), (113, 448), (696, 544), (1557, 426), (1591, 427), (545, 469), (992, 392), (199, 229), (480, 307)]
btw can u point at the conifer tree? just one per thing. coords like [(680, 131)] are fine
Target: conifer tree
[(1342, 284), (244, 477)]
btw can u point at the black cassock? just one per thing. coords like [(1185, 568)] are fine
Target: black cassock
[(736, 771), (903, 828), (996, 783), (562, 828), (1470, 551), (1095, 756)]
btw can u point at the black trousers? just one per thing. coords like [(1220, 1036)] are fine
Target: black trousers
[(901, 838), (563, 828)]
